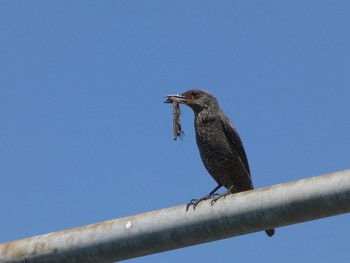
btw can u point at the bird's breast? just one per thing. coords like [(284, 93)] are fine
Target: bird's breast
[(211, 139)]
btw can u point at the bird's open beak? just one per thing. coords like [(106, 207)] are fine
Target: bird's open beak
[(178, 97)]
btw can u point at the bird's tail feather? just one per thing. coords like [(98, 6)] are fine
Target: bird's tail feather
[(270, 232)]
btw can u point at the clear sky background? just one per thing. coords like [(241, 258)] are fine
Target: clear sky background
[(85, 136)]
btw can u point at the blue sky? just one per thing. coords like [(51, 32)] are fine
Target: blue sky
[(85, 136)]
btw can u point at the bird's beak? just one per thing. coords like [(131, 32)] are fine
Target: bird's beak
[(179, 98)]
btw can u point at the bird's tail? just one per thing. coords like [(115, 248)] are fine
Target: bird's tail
[(270, 232)]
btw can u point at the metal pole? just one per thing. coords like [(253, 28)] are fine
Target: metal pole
[(174, 227)]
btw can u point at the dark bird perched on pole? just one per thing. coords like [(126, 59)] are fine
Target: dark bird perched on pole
[(219, 145)]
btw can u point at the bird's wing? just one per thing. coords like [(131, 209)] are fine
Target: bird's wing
[(235, 141)]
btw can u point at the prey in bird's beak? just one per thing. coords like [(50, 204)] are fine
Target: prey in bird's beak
[(177, 97)]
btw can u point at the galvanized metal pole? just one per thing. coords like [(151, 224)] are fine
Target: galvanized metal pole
[(174, 227)]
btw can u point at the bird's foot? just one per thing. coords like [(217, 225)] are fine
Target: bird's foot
[(195, 202), (216, 197)]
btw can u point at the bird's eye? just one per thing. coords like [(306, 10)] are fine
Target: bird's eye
[(194, 94)]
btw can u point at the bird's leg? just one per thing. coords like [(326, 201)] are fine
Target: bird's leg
[(218, 196), (212, 193), (195, 202)]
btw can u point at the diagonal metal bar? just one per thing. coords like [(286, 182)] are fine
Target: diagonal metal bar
[(172, 228)]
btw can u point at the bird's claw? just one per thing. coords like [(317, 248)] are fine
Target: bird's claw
[(194, 202), (216, 197)]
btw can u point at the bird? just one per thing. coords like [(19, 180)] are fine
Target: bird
[(219, 144)]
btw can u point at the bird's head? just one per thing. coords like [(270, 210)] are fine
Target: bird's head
[(196, 99)]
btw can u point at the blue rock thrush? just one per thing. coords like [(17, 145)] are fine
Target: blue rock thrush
[(219, 145)]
